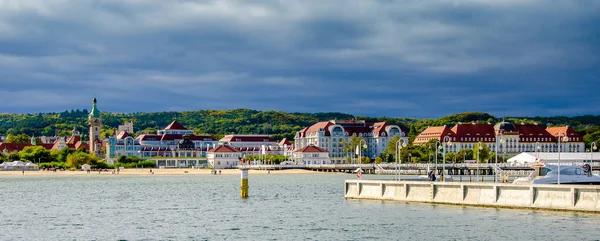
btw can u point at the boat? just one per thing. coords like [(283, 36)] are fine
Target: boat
[(569, 174)]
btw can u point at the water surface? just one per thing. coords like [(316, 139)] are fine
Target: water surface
[(280, 207)]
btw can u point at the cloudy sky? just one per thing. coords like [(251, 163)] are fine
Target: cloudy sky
[(377, 58)]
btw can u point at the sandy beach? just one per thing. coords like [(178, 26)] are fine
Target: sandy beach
[(156, 171)]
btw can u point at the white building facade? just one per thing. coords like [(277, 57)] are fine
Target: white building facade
[(331, 135), (223, 156), (252, 144), (510, 139), (311, 155), (175, 141)]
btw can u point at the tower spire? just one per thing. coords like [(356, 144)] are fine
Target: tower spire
[(95, 122)]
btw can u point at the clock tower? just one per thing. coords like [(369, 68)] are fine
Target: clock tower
[(95, 123)]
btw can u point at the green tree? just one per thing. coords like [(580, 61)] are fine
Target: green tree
[(35, 154), (481, 152), (20, 138), (128, 159), (390, 149), (414, 153), (451, 157), (61, 155), (463, 155), (76, 159), (350, 146), (13, 156), (365, 160)]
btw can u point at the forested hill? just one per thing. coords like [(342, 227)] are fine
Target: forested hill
[(245, 121)]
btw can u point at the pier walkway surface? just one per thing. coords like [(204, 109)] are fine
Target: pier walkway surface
[(551, 197), (458, 169)]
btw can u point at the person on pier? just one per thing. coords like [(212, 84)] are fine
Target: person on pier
[(431, 176)]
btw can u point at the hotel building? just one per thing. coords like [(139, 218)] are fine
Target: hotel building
[(175, 141), (510, 138), (330, 135)]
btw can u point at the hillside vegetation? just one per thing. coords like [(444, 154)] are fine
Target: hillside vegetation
[(245, 121)]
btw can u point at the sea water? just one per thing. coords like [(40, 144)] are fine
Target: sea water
[(279, 207)]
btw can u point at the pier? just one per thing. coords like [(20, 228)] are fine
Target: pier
[(550, 197), (449, 169)]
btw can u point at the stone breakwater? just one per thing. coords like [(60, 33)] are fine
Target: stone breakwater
[(551, 197)]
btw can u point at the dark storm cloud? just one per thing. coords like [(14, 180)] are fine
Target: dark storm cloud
[(377, 58)]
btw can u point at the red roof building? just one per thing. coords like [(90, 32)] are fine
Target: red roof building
[(311, 154), (224, 149), (173, 141), (12, 147), (509, 138), (223, 156), (176, 128), (311, 149), (17, 147), (284, 142), (251, 144), (434, 132)]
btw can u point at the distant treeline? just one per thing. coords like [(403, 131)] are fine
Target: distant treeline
[(245, 121)]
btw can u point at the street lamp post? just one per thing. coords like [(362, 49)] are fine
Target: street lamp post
[(480, 147), (360, 147), (496, 156), (447, 142), (566, 138), (537, 148), (399, 145), (503, 143), (592, 149), (437, 143)]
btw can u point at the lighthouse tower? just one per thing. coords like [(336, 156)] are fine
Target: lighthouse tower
[(95, 123)]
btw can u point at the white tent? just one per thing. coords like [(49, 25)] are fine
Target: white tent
[(86, 167), (531, 157), (19, 166), (31, 166)]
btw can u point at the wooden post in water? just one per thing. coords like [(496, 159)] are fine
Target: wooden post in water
[(244, 184)]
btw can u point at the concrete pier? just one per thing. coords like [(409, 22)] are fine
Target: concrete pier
[(551, 197)]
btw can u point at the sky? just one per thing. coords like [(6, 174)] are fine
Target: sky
[(370, 58)]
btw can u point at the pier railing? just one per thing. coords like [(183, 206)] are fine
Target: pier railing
[(511, 169)]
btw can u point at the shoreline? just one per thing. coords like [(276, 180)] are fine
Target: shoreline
[(156, 171)]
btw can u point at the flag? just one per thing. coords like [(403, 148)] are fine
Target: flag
[(262, 149), (357, 150)]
